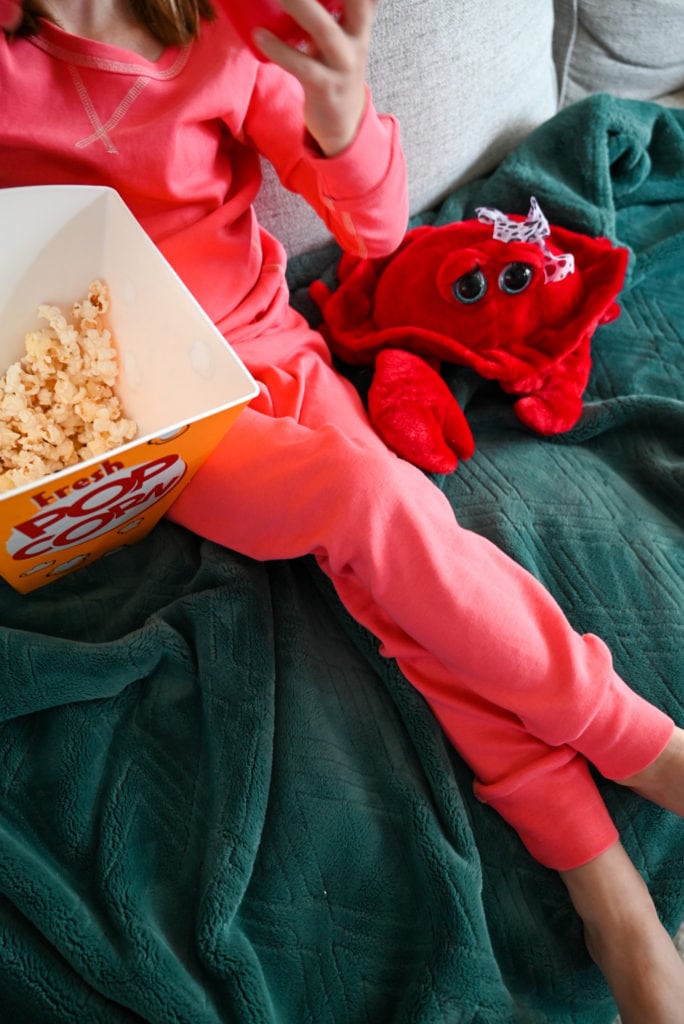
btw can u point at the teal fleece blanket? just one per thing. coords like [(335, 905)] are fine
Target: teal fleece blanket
[(220, 805)]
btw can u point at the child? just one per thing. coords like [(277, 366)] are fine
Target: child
[(161, 101)]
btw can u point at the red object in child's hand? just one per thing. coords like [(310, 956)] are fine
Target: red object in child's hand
[(10, 14), (248, 15)]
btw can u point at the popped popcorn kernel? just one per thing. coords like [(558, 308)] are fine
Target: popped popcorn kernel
[(57, 404)]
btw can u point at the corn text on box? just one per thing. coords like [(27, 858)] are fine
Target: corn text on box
[(179, 380)]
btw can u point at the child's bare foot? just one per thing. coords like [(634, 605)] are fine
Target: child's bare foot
[(626, 939), (663, 781)]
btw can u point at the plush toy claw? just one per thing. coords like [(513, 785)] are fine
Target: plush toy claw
[(510, 297), (10, 14), (415, 413), (552, 401)]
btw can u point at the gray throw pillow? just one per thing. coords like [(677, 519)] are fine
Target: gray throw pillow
[(630, 48)]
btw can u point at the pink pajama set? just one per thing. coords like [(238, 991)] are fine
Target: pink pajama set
[(523, 698)]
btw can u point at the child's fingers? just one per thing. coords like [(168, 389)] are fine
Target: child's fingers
[(332, 71), (316, 21), (279, 52), (359, 16), (330, 37)]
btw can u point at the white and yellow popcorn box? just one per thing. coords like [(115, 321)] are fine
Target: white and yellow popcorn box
[(178, 378)]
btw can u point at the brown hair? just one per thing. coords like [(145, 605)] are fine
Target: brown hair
[(172, 22)]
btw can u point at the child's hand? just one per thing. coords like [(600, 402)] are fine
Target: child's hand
[(333, 76)]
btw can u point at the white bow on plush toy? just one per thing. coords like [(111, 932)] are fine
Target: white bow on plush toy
[(535, 228)]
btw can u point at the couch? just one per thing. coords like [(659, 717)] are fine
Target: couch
[(219, 804)]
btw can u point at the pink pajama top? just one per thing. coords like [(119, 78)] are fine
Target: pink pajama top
[(180, 138)]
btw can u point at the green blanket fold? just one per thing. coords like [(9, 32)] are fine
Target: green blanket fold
[(220, 805)]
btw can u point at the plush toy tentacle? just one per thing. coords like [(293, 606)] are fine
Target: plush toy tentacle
[(415, 413)]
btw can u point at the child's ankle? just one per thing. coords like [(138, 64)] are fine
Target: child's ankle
[(662, 782), (608, 892)]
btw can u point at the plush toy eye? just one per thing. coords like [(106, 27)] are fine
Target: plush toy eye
[(515, 277), (470, 287)]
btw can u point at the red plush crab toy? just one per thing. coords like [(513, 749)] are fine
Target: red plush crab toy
[(506, 296)]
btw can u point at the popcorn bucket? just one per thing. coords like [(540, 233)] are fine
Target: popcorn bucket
[(179, 380)]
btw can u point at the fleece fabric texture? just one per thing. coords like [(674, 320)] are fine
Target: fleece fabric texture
[(220, 805)]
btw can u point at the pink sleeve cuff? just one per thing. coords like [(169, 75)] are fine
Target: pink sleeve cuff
[(360, 168)]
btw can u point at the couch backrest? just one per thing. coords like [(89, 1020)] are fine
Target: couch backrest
[(468, 80), (631, 48)]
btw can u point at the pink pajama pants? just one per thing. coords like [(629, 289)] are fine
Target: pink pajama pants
[(523, 698)]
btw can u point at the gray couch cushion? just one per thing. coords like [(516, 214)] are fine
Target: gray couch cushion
[(467, 81), (626, 47)]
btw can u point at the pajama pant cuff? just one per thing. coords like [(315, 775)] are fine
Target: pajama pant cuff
[(625, 735), (560, 817)]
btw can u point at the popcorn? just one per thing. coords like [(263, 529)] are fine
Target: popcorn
[(57, 404)]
